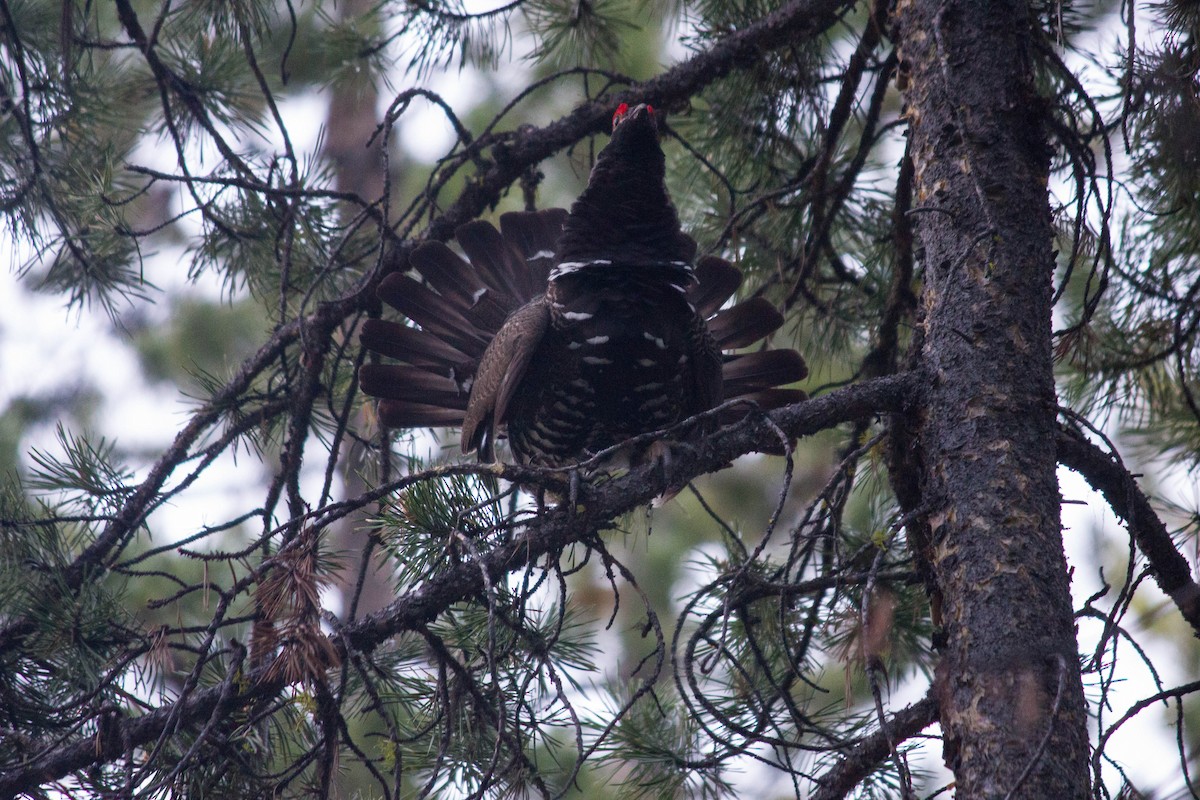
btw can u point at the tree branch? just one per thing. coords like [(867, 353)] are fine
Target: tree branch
[(547, 533), (866, 756), (789, 25), (1109, 477)]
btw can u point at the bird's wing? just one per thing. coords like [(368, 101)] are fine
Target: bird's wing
[(501, 369)]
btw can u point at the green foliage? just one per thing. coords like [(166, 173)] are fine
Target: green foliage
[(435, 523), (76, 640), (744, 629), (569, 32), (657, 751), (84, 474)]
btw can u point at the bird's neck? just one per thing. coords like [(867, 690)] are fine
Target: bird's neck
[(625, 216)]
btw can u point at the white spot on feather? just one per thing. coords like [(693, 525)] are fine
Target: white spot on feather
[(659, 343), (567, 267)]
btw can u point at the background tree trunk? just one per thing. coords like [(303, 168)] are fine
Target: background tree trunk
[(1009, 688)]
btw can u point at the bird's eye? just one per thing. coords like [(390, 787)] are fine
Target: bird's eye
[(620, 113)]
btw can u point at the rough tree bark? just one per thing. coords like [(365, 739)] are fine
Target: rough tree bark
[(1009, 689)]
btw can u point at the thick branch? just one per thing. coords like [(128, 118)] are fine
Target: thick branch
[(548, 533), (1109, 477), (600, 504), (866, 756)]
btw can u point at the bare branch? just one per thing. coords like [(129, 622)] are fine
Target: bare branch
[(1108, 476)]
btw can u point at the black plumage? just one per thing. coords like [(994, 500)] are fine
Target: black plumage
[(573, 332)]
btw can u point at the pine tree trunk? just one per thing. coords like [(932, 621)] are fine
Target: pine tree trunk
[(1009, 689)]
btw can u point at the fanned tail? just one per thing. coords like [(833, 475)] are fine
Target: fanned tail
[(751, 376), (456, 307)]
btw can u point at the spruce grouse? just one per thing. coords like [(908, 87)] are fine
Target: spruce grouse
[(574, 331)]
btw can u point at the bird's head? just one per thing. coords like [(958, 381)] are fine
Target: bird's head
[(635, 128), (640, 112)]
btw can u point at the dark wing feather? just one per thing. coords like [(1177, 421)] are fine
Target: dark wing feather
[(497, 263), (764, 369), (432, 312), (500, 372), (745, 323), (716, 281)]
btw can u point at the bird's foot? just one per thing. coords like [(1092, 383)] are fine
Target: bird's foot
[(661, 454)]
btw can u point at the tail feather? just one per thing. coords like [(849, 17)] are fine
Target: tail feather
[(497, 263), (745, 323), (534, 234), (405, 414), (452, 277), (763, 369), (716, 281), (765, 399), (687, 247), (433, 313), (490, 311), (417, 347), (458, 282), (413, 385)]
